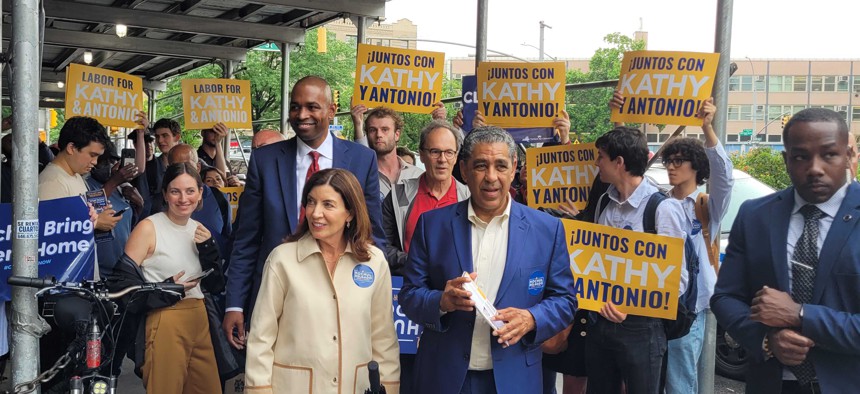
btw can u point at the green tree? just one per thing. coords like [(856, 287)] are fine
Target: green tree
[(588, 109), (765, 164), (263, 69)]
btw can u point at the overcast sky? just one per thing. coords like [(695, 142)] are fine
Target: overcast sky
[(761, 28)]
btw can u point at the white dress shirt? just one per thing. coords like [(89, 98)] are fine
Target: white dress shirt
[(489, 255), (669, 218), (304, 161)]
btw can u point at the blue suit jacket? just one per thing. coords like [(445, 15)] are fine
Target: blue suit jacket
[(441, 250), (831, 319), (267, 210)]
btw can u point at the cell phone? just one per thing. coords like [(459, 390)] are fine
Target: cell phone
[(127, 157), (200, 275), (120, 212)]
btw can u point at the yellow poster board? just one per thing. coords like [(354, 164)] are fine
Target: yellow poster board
[(638, 272), (559, 174), (665, 87), (113, 98), (233, 194), (521, 94), (405, 80), (209, 101)]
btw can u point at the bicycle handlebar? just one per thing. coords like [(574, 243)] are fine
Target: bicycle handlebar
[(24, 281), (96, 289)]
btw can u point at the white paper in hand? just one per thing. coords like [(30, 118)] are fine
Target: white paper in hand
[(484, 307)]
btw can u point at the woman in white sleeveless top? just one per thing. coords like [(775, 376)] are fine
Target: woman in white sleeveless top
[(178, 350)]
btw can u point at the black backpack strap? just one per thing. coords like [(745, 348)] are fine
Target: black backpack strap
[(649, 218), (602, 203)]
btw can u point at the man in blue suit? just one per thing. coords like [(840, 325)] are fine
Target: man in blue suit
[(795, 303), (516, 256), (269, 208)]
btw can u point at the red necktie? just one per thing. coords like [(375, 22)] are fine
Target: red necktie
[(313, 169)]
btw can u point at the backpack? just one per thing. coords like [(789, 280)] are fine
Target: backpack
[(686, 314)]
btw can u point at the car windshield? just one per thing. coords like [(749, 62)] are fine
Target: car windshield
[(743, 189)]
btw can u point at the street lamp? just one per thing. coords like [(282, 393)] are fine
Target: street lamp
[(754, 108), (542, 25), (541, 52)]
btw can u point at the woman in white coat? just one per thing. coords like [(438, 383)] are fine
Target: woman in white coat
[(324, 307)]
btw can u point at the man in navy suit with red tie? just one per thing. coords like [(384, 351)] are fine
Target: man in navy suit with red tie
[(269, 208)]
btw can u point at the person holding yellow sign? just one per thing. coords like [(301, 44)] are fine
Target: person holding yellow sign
[(620, 347)]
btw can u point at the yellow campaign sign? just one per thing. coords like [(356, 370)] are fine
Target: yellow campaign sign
[(209, 101), (638, 272), (521, 94), (113, 98), (559, 174), (233, 194), (405, 80), (665, 87)]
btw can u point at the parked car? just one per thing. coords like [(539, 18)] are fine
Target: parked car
[(732, 358)]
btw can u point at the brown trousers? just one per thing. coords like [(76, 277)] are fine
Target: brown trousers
[(179, 357)]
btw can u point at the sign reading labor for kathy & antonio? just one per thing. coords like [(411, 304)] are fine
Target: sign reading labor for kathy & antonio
[(665, 87), (560, 174), (521, 94), (638, 272), (209, 101), (113, 98), (66, 243), (404, 80)]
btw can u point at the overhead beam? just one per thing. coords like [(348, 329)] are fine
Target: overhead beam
[(51, 78), (164, 69), (107, 42), (368, 8), (42, 103), (80, 12)]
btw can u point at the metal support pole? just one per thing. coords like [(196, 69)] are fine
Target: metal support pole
[(24, 50), (285, 87), (481, 34), (722, 44), (361, 27), (225, 143)]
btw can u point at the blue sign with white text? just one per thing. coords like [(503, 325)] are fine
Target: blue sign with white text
[(470, 105), (66, 249), (408, 332)]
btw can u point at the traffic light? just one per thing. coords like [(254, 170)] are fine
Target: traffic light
[(785, 119), (322, 40), (336, 98)]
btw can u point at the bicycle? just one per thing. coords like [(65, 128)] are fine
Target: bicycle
[(90, 323)]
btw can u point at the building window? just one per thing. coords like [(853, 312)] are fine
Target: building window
[(734, 112), (855, 114), (774, 138), (732, 138), (800, 83), (856, 87), (815, 84), (842, 83), (734, 84), (744, 83)]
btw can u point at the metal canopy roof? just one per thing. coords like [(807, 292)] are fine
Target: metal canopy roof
[(166, 38)]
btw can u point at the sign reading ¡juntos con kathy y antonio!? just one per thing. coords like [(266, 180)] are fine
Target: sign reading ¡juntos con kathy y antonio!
[(405, 80)]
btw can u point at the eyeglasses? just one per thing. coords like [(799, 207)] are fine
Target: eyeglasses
[(675, 161), (436, 153)]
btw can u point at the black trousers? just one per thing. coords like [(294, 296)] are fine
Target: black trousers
[(629, 352)]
